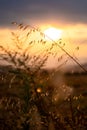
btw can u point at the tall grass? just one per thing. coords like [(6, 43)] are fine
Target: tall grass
[(32, 107)]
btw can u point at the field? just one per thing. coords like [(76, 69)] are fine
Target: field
[(60, 103)]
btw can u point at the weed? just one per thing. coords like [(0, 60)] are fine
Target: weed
[(29, 101)]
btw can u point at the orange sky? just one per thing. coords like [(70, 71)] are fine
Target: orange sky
[(72, 35)]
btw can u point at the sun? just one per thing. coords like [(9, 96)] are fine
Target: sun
[(53, 33)]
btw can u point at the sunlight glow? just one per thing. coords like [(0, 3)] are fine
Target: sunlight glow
[(53, 33)]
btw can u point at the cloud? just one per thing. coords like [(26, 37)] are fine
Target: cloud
[(42, 11)]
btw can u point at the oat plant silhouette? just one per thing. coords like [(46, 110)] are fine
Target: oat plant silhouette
[(36, 110)]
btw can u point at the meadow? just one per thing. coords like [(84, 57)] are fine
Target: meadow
[(60, 113)]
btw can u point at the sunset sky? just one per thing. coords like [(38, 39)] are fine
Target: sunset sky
[(67, 15)]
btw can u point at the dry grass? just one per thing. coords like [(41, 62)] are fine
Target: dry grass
[(26, 92)]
